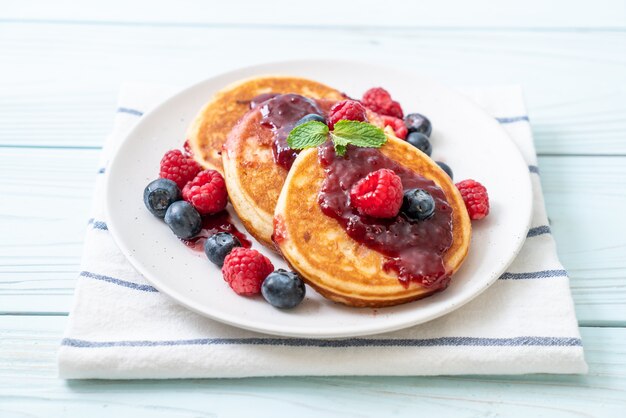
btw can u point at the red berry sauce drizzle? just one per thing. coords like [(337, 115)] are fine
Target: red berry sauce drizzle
[(280, 113), (256, 101), (414, 249), (280, 231), (211, 225)]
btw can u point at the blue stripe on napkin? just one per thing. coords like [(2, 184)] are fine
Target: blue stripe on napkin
[(513, 119), (544, 274), (352, 342), (539, 230), (130, 111), (119, 282), (97, 224)]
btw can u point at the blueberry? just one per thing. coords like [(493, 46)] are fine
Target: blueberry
[(183, 219), (418, 204), (159, 195), (418, 123), (420, 141), (445, 167), (283, 289), (309, 118), (218, 246)]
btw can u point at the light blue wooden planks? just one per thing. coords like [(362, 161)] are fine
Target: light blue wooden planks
[(574, 81), (440, 14), (46, 196), (586, 200), (59, 89)]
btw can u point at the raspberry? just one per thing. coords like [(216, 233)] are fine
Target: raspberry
[(379, 194), (379, 100), (245, 269), (395, 110), (206, 192), (346, 110), (178, 167), (475, 197), (398, 126)]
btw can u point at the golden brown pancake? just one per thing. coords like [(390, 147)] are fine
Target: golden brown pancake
[(336, 265), (253, 177), (217, 118)]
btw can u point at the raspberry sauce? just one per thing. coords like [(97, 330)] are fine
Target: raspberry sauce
[(256, 101), (280, 231), (413, 249), (280, 113), (211, 225)]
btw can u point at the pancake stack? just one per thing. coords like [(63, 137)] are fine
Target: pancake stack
[(230, 135)]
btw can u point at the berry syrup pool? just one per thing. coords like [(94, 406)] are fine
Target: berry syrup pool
[(213, 224), (413, 249), (280, 112)]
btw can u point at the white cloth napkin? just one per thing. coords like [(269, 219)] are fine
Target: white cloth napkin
[(121, 327)]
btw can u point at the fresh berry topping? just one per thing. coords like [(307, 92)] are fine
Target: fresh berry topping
[(346, 110), (379, 194), (178, 167), (396, 124), (445, 167), (245, 269), (310, 117), (421, 142), (283, 289), (183, 219), (159, 195), (219, 245), (395, 110), (475, 197), (207, 192), (418, 123), (187, 148), (379, 100), (376, 96), (418, 204)]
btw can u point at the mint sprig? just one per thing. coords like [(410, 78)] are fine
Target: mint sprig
[(341, 145), (359, 134), (308, 135), (345, 132)]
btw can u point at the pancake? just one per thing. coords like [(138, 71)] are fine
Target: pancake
[(211, 126), (253, 177), (339, 267)]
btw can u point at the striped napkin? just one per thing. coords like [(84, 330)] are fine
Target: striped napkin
[(121, 327)]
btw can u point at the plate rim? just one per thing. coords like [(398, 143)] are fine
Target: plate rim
[(265, 68)]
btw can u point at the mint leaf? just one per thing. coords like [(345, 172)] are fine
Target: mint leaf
[(312, 134), (340, 144), (360, 134), (340, 150), (308, 135)]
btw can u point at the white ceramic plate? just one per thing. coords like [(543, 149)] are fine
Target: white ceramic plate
[(470, 141)]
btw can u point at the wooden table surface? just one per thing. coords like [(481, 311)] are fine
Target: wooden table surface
[(61, 66)]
